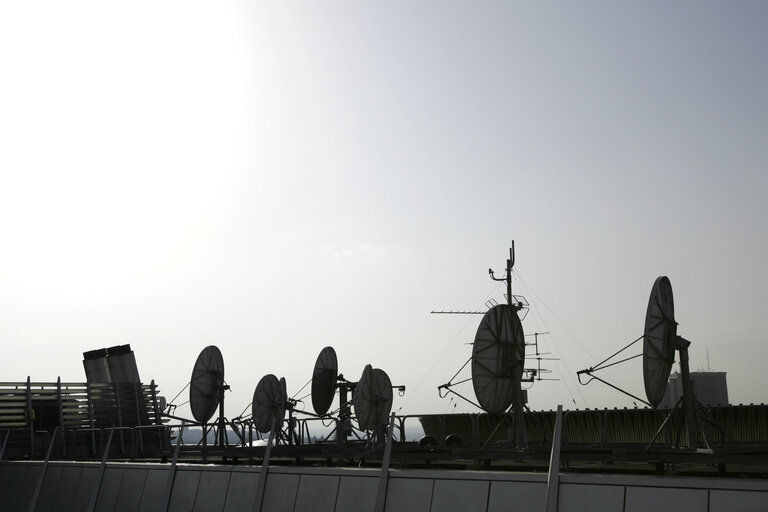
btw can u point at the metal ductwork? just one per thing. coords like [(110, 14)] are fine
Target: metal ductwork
[(113, 364)]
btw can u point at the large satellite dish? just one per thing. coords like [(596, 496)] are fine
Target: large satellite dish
[(324, 379), (372, 398), (659, 340), (206, 383), (498, 356), (269, 401)]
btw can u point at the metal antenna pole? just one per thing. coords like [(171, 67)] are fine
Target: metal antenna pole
[(520, 434), (689, 401), (222, 421), (510, 264)]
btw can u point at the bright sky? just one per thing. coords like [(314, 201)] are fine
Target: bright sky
[(275, 177)]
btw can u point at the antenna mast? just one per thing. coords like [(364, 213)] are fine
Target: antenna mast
[(508, 278), (521, 438), (505, 367)]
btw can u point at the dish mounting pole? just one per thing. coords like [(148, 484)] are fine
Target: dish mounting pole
[(689, 399), (521, 441), (222, 421)]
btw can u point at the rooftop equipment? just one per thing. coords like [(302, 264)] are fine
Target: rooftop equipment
[(660, 341), (206, 390)]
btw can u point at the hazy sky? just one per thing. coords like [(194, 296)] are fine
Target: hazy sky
[(275, 177)]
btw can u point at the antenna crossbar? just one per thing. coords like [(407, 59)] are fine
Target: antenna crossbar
[(457, 312)]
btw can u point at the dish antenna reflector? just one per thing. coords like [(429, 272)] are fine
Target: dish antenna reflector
[(498, 355), (372, 398), (206, 387), (269, 402), (659, 340), (324, 379)]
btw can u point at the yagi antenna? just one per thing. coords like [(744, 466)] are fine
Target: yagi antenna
[(534, 374), (518, 302)]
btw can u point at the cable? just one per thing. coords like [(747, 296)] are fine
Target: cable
[(243, 411), (599, 366), (302, 388), (491, 294), (180, 392), (537, 317)]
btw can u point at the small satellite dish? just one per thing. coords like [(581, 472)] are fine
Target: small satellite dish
[(659, 340), (372, 398), (498, 355), (206, 383), (324, 380), (269, 401)]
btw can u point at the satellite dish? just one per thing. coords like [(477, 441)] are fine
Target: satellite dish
[(324, 380), (659, 340), (372, 398), (269, 401), (498, 355), (206, 383)]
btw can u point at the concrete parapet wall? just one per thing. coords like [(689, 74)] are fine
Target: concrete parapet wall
[(71, 486)]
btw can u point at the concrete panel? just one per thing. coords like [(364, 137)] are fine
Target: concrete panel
[(18, 486), (738, 501), (68, 483), (661, 499), (184, 491), (212, 491), (8, 487), (514, 496), (47, 498), (242, 491), (409, 495), (463, 495), (131, 488), (6, 475), (27, 484), (317, 493), (154, 490), (579, 497), (85, 487), (110, 487), (280, 494), (357, 493)]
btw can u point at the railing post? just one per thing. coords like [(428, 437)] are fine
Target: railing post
[(136, 387), (172, 472), (381, 497), (158, 420), (41, 476), (119, 417), (100, 477), (205, 443), (553, 478), (5, 442), (90, 417), (30, 417), (264, 469), (61, 416)]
